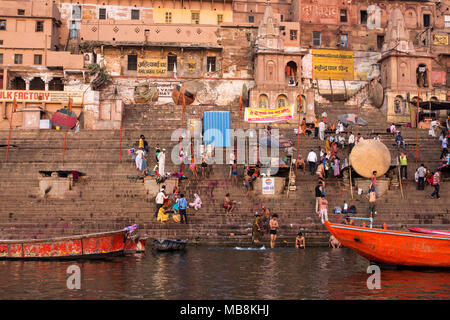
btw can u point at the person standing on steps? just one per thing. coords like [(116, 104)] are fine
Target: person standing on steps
[(444, 146), (265, 212), (160, 198), (319, 193), (421, 172), (162, 162), (323, 206), (351, 141), (322, 128), (157, 152), (182, 206), (233, 173), (257, 228), (372, 196), (436, 183), (312, 159), (403, 166), (273, 226), (204, 166), (143, 144), (373, 183), (316, 128)]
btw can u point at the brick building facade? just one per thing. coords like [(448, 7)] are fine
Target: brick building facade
[(216, 47)]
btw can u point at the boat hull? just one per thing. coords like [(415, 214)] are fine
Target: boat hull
[(89, 246), (63, 120), (392, 247), (169, 245)]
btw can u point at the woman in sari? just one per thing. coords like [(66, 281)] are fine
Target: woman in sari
[(327, 145), (140, 159), (303, 126), (197, 204), (181, 156), (337, 171), (193, 167), (163, 213)]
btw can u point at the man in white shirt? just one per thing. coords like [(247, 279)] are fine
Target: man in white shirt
[(351, 141), (341, 140), (322, 128), (312, 159), (290, 154), (160, 197), (162, 162), (340, 128)]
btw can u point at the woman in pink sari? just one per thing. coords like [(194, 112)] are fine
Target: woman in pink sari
[(337, 171)]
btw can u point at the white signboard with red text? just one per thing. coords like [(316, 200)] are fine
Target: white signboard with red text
[(41, 96)]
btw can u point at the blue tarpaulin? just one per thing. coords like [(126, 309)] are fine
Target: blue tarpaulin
[(216, 125)]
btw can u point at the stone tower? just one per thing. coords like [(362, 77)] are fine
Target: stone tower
[(403, 70), (277, 70)]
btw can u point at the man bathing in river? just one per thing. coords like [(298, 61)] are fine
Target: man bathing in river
[(273, 225), (300, 241)]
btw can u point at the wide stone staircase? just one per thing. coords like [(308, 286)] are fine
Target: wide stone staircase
[(110, 196)]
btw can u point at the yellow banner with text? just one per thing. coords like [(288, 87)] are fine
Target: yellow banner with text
[(151, 67), (332, 64), (269, 115)]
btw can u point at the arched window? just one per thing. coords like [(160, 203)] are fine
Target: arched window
[(398, 104), (422, 75), (56, 84), (303, 104), (263, 101), (290, 73), (18, 84), (282, 101), (37, 84)]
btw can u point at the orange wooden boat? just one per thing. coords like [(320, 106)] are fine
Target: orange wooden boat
[(394, 247)]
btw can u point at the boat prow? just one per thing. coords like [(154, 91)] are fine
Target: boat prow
[(393, 247)]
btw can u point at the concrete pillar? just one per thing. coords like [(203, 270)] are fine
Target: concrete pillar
[(27, 84), (5, 78), (46, 85)]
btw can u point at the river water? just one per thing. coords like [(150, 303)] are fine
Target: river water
[(221, 274)]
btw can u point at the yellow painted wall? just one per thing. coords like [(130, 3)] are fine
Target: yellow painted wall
[(181, 16)]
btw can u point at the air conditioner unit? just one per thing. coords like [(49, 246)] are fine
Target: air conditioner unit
[(88, 59)]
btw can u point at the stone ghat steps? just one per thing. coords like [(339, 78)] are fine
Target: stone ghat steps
[(315, 233)]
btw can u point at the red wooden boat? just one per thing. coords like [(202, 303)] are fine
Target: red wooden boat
[(429, 231), (394, 247), (88, 246)]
